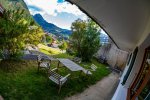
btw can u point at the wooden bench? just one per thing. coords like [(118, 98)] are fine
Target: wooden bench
[(58, 79), (88, 71), (42, 63), (77, 59)]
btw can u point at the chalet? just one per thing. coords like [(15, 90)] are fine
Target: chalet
[(127, 22), (1, 10)]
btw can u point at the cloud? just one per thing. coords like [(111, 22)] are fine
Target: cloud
[(53, 7), (34, 8), (103, 32), (58, 12), (63, 20)]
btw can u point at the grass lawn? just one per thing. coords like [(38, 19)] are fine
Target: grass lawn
[(49, 50), (21, 81), (63, 55)]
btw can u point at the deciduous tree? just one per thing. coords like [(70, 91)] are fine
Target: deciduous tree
[(63, 46), (85, 38)]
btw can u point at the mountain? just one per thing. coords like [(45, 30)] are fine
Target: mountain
[(15, 4), (51, 28)]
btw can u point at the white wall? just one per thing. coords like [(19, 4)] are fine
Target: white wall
[(138, 61), (121, 91)]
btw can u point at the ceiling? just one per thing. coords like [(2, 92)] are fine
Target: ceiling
[(125, 21)]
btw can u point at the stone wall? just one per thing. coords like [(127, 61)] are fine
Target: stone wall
[(115, 57)]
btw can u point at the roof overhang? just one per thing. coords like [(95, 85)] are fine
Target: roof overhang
[(125, 21)]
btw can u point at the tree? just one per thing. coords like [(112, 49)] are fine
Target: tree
[(78, 30), (63, 46), (16, 31), (85, 39), (48, 39)]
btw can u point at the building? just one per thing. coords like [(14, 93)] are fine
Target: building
[(1, 10), (127, 22)]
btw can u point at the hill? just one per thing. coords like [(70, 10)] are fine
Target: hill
[(15, 4), (51, 28)]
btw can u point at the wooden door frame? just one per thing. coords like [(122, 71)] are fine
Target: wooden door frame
[(137, 78)]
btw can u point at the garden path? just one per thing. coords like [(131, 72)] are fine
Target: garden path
[(102, 90), (1, 98)]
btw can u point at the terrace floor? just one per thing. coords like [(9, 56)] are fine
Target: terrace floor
[(103, 90)]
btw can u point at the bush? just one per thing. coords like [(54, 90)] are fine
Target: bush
[(63, 46)]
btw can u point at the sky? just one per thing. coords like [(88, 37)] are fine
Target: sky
[(58, 12)]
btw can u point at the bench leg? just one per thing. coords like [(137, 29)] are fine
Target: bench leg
[(58, 66), (59, 89), (38, 68)]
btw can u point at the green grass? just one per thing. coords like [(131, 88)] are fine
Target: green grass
[(63, 55), (48, 50), (45, 51), (21, 81)]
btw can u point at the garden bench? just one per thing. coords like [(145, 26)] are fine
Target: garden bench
[(42, 63), (57, 79), (77, 59), (88, 71)]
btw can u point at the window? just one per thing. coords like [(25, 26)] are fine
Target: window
[(145, 93), (129, 59), (140, 89), (130, 66)]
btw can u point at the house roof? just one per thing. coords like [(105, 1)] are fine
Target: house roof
[(1, 9), (127, 22)]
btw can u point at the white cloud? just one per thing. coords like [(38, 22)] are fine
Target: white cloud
[(102, 31), (84, 17), (65, 24), (69, 8), (33, 12), (51, 7), (50, 10)]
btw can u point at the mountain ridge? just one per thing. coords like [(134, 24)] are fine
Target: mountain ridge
[(50, 27)]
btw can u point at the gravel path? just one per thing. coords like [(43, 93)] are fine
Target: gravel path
[(103, 90)]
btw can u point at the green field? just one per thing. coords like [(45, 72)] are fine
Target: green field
[(49, 50)]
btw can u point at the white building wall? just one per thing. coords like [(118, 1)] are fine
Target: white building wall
[(121, 91)]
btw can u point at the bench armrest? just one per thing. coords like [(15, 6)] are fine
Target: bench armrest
[(54, 69), (64, 77), (87, 71)]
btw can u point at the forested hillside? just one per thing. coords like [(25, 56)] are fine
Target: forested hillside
[(14, 4)]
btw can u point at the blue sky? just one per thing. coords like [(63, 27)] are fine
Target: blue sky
[(58, 12)]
